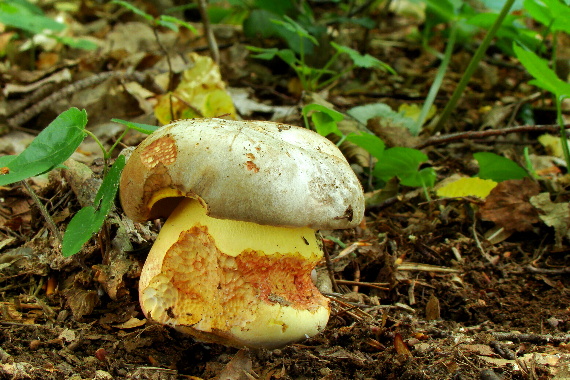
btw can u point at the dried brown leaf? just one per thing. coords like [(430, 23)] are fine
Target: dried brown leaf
[(556, 215), (238, 368), (508, 205), (432, 309), (400, 346), (81, 301)]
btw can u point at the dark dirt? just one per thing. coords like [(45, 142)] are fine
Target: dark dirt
[(432, 300), (372, 334)]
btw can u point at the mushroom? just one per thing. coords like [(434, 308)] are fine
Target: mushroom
[(244, 200)]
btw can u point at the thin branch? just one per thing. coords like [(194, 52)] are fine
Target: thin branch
[(50, 223), (203, 7), (21, 117), (330, 269), (531, 338), (473, 135), (377, 285)]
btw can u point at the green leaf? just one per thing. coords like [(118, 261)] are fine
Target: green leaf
[(288, 56), (263, 53), (55, 144), (143, 128), (551, 13), (404, 163), (324, 124), (89, 219), (76, 43), (366, 61), (294, 27), (313, 107), (444, 10), (170, 20), (5, 161), (258, 24), (21, 16), (133, 9), (545, 77), (371, 143), (498, 168), (324, 119)]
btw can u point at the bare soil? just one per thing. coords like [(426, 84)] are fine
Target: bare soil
[(421, 293)]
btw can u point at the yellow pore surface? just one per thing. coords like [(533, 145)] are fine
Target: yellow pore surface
[(236, 283)]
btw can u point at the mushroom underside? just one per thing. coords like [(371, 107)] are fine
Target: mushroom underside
[(233, 282)]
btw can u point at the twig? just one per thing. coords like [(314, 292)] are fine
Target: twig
[(203, 7), (50, 223), (531, 338), (503, 351), (376, 285), (330, 270), (472, 135), (24, 116), (492, 260), (349, 308), (533, 269)]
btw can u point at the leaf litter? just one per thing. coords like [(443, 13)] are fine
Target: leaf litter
[(437, 308)]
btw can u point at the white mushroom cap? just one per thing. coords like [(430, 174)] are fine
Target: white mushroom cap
[(255, 171)]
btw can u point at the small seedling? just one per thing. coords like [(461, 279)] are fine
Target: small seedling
[(312, 78), (49, 150), (547, 79), (30, 19), (404, 163), (169, 22)]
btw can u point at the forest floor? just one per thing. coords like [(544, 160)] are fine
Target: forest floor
[(423, 291)]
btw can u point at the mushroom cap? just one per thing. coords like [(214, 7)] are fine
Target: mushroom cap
[(255, 171)]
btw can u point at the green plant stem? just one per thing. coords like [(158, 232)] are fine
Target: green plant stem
[(89, 133), (450, 106), (326, 67), (330, 80), (563, 137), (302, 56), (213, 45), (438, 80), (50, 223), (112, 148)]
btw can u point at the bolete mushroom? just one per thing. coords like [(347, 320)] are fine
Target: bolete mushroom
[(232, 263)]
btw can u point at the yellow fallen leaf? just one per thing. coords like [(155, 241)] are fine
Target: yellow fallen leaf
[(413, 111), (131, 323), (201, 93), (552, 145), (463, 187)]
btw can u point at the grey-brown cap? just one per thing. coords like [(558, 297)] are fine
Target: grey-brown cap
[(256, 171)]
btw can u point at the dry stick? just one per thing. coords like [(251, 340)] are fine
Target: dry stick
[(50, 223), (472, 135), (489, 258), (330, 269), (376, 285), (531, 338), (24, 116), (533, 269), (349, 308), (209, 33)]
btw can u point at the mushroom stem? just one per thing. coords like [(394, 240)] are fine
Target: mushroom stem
[(233, 282)]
